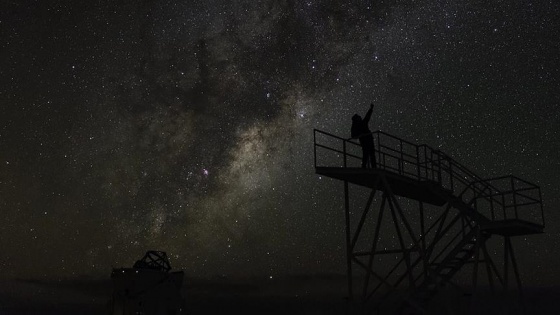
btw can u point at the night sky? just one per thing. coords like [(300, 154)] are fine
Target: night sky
[(187, 126)]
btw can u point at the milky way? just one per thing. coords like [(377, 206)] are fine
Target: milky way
[(187, 126)]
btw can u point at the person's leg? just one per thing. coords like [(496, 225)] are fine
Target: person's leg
[(372, 155), (369, 153), (365, 155)]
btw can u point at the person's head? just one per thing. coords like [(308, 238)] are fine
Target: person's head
[(356, 118)]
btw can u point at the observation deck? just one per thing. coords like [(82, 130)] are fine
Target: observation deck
[(422, 190), (505, 205)]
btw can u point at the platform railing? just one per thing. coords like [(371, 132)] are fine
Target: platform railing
[(420, 162), (391, 153), (510, 197), (501, 198)]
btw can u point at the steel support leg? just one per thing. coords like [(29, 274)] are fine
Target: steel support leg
[(348, 240), (374, 244), (516, 273)]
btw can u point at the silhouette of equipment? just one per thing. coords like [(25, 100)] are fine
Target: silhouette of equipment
[(154, 260), (149, 287), (434, 218)]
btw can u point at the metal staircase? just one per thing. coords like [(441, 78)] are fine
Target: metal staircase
[(468, 211), (442, 272)]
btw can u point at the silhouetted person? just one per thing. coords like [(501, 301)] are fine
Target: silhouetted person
[(360, 130)]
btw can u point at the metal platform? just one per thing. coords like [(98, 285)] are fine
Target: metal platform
[(401, 185), (512, 227), (422, 173)]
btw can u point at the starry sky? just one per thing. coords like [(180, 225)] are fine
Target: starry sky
[(187, 126)]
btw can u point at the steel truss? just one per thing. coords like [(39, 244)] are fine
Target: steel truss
[(433, 255), (461, 217)]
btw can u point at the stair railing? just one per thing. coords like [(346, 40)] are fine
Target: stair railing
[(423, 163)]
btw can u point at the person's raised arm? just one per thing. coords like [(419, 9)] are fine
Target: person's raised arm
[(368, 114)]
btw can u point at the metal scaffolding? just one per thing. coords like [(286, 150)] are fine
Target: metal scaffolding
[(426, 217)]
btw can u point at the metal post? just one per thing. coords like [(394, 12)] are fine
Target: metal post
[(504, 206), (439, 168), (423, 238), (514, 264), (431, 162), (514, 197), (494, 268), (506, 263), (476, 258), (487, 262), (542, 212), (405, 251), (516, 273), (451, 176), (364, 215), (374, 243), (379, 150), (348, 244), (315, 147), (344, 151), (491, 205), (401, 165), (399, 209), (418, 163)]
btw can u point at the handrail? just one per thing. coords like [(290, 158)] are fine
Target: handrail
[(421, 163), (424, 163)]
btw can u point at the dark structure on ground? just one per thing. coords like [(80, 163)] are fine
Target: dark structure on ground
[(147, 288), (438, 222)]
